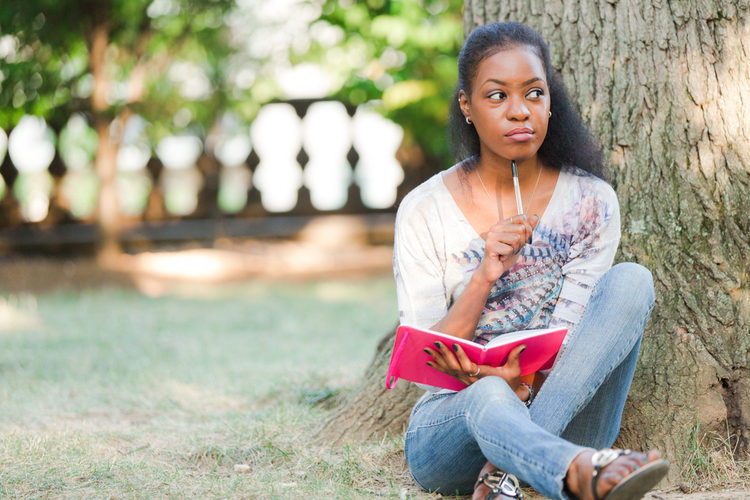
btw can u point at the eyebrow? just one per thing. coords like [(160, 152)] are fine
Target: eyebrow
[(527, 82)]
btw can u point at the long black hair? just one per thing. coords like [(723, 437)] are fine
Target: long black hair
[(568, 142)]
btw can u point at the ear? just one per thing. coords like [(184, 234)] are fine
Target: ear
[(463, 102)]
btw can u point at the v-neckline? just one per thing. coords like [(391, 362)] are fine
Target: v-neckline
[(455, 206)]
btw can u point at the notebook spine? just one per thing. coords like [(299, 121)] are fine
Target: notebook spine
[(390, 384)]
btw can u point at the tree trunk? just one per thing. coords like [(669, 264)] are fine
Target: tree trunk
[(664, 87), (371, 411), (105, 164)]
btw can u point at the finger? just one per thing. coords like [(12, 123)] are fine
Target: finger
[(528, 229), (433, 355), (534, 221), (513, 364), (531, 223), (517, 228), (512, 240), (431, 352), (463, 360), (520, 227), (520, 219), (438, 365), (448, 359), (440, 362), (498, 249), (509, 238)]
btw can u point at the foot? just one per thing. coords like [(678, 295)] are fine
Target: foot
[(495, 484), (578, 480), (481, 491)]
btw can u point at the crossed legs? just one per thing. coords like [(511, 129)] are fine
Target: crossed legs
[(450, 437)]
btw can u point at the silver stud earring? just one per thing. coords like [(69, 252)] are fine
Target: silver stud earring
[(468, 120), (550, 114)]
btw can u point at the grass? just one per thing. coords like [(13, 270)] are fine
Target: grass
[(712, 464), (109, 394)]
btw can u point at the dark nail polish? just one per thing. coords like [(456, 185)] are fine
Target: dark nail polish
[(530, 240), (426, 351), (523, 349), (437, 344), (428, 364), (455, 347)]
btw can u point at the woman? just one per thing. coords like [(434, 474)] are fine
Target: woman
[(469, 265)]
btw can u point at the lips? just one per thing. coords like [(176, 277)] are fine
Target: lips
[(520, 134)]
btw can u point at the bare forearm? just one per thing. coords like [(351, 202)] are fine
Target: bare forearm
[(463, 317), (502, 247)]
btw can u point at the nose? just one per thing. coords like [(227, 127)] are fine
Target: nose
[(517, 109)]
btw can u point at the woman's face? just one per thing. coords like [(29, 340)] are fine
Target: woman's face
[(509, 104)]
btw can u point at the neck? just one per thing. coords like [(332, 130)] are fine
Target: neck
[(498, 171)]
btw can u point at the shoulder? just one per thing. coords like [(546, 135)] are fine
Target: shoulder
[(421, 204), (587, 189)]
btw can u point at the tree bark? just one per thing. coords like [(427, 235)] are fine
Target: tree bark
[(105, 162), (661, 85), (664, 86), (371, 411)]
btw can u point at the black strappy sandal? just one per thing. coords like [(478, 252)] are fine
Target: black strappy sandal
[(501, 485), (633, 486)]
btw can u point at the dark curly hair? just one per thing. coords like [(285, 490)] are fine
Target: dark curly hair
[(568, 142)]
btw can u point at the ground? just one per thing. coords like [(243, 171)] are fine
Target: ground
[(202, 390)]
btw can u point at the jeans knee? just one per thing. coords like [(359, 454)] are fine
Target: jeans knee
[(491, 386), (488, 390), (635, 286)]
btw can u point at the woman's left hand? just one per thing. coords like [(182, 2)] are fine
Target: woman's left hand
[(467, 372), (460, 367)]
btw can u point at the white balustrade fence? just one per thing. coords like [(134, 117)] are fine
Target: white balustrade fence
[(277, 136), (31, 147), (327, 141)]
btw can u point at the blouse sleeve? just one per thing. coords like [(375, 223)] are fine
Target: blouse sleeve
[(418, 268), (593, 246)]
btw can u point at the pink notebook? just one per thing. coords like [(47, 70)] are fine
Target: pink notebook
[(408, 360)]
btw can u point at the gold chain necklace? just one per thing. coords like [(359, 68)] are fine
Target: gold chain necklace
[(494, 201)]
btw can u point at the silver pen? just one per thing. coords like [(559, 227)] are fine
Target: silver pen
[(517, 188), (519, 205)]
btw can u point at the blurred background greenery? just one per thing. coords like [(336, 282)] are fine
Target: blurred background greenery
[(149, 375), (180, 64)]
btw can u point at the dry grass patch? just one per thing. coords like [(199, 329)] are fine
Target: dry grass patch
[(713, 464)]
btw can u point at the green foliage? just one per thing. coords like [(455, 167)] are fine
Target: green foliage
[(399, 52), (46, 69), (402, 52)]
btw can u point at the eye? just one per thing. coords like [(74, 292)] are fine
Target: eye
[(535, 94), (497, 95)]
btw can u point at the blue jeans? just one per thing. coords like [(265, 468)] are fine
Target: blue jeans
[(451, 436)]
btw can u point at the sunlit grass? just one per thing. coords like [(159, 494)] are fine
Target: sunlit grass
[(110, 394)]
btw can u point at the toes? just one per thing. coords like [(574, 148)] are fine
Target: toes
[(615, 472)]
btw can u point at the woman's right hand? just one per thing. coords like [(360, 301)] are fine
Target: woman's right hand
[(503, 244)]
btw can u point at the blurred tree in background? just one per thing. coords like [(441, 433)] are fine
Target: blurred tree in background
[(108, 56), (112, 59), (180, 64), (401, 55)]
